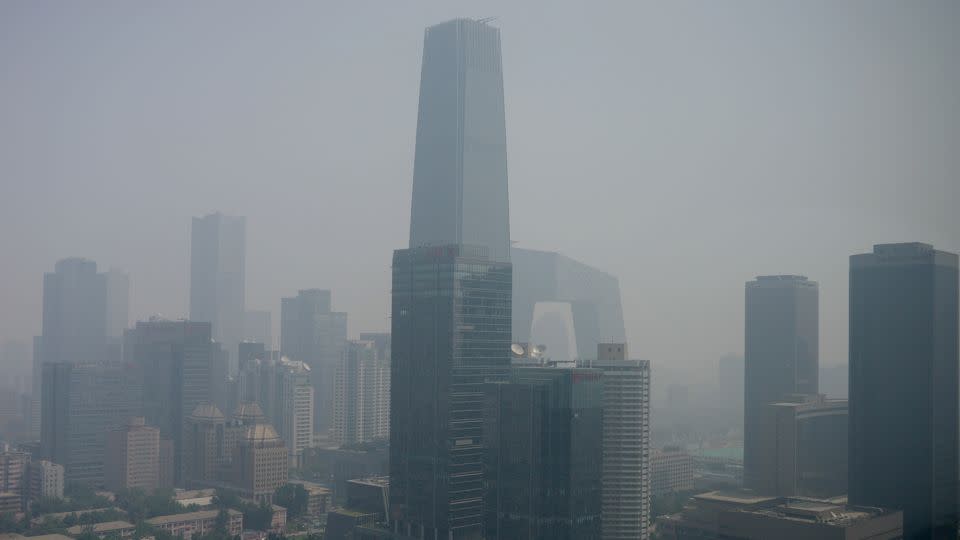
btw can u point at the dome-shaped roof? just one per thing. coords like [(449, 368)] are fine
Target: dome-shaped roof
[(261, 433), (206, 411), (249, 412)]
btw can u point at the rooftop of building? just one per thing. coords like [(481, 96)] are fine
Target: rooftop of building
[(206, 411), (261, 433), (15, 536), (817, 511), (726, 452), (311, 487), (377, 481), (182, 494), (190, 516), (734, 496), (249, 412), (103, 527)]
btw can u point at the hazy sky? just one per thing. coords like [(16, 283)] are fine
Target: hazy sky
[(685, 147)]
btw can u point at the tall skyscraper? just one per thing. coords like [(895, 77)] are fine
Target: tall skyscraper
[(781, 354), (451, 334), (626, 443), (460, 164), (311, 332), (217, 277), (74, 313), (176, 360), (258, 327), (903, 385), (452, 289)]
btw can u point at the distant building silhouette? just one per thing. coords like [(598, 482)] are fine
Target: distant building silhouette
[(311, 332), (81, 404), (593, 295), (903, 385), (176, 360), (217, 277), (781, 354)]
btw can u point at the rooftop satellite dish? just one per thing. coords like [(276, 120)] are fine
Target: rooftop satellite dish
[(517, 349)]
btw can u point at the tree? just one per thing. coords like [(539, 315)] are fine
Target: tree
[(294, 498)]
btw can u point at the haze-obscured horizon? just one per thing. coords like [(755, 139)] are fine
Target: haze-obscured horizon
[(684, 147)]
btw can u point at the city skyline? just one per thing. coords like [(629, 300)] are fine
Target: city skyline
[(845, 202)]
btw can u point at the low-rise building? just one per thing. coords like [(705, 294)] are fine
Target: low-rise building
[(671, 471), (197, 523), (745, 515), (13, 473), (318, 498), (107, 529)]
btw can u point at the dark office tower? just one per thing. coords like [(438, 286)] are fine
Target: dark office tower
[(544, 450), (781, 354), (450, 335), (903, 385), (177, 362), (312, 333), (460, 165), (257, 327), (217, 269), (74, 313), (81, 404)]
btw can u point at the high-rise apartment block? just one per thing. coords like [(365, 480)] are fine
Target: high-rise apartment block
[(903, 385), (217, 277), (543, 459), (782, 344), (804, 443), (81, 404), (626, 442), (671, 471), (294, 407), (311, 332), (362, 394), (45, 480), (13, 480), (176, 361), (133, 457)]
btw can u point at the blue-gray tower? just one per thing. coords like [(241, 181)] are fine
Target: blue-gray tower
[(460, 165)]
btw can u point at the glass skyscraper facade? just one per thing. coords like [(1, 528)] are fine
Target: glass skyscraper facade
[(544, 438), (450, 335), (903, 385), (460, 164)]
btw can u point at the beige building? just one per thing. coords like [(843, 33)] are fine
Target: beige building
[(133, 457), (259, 463), (197, 524), (318, 497), (671, 471), (108, 529), (361, 394), (13, 480)]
